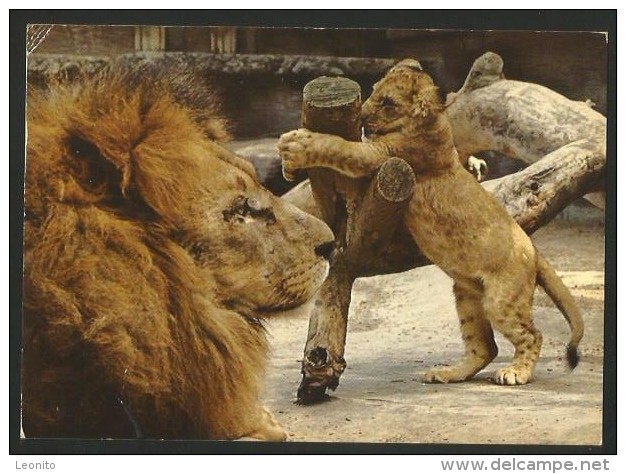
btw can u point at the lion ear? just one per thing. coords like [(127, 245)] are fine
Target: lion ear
[(163, 178)]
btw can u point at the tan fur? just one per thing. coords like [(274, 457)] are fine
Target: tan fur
[(150, 254), (456, 223)]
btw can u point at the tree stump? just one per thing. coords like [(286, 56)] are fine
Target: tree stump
[(362, 213)]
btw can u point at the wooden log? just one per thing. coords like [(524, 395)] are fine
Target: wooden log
[(370, 227), (534, 195), (399, 255), (379, 213), (323, 361), (519, 119)]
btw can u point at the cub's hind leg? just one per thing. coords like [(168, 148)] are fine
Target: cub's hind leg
[(480, 347), (508, 306)]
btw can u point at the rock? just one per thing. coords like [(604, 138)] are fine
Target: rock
[(263, 154)]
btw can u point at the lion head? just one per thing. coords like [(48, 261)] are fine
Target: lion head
[(150, 253)]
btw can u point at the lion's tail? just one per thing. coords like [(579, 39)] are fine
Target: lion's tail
[(563, 299)]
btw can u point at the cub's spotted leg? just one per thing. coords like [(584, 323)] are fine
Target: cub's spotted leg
[(480, 347), (508, 305), (527, 341)]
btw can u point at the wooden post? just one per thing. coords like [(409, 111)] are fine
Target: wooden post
[(330, 105), (398, 255), (364, 215), (150, 38), (323, 361)]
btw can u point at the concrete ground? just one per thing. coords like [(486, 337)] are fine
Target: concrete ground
[(400, 325)]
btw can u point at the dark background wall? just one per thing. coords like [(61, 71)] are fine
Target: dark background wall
[(572, 63)]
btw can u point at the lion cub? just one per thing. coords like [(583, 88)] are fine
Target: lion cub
[(456, 223)]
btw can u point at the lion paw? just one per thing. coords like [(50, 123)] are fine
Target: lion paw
[(512, 376), (268, 430), (477, 167), (295, 150)]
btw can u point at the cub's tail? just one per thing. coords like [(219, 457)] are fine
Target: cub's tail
[(563, 299)]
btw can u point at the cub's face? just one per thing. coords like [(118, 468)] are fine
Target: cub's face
[(404, 99)]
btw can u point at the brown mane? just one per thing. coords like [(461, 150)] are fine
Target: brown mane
[(125, 334)]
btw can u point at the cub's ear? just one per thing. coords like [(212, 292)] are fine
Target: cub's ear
[(426, 103)]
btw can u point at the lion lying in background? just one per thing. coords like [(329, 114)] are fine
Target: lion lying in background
[(150, 253), (458, 225)]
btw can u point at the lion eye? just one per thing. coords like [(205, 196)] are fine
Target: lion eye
[(253, 206), (387, 102), (246, 209)]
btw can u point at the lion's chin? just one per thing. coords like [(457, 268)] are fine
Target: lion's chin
[(297, 296), (281, 307), (286, 312)]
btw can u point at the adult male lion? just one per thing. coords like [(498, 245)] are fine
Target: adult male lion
[(150, 253), (456, 223)]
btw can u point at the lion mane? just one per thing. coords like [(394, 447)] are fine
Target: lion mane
[(150, 253)]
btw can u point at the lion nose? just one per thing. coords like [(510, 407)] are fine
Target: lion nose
[(325, 250)]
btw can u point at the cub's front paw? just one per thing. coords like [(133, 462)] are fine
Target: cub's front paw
[(296, 151)]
